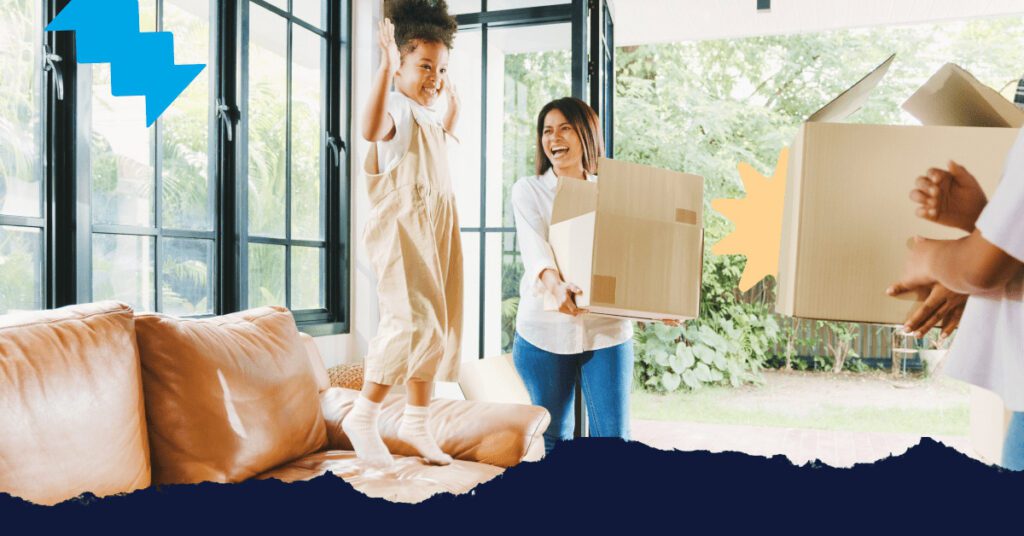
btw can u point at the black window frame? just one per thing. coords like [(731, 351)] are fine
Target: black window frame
[(592, 54), (46, 93), (66, 220), (336, 185)]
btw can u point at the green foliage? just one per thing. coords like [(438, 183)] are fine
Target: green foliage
[(728, 344), (705, 107)]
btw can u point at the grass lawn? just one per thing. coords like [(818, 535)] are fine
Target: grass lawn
[(867, 402)]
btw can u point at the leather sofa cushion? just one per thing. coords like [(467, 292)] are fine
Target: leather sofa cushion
[(228, 397), (71, 409), (409, 481), (317, 361), (484, 432)]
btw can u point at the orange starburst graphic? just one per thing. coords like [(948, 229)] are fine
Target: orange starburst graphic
[(758, 220)]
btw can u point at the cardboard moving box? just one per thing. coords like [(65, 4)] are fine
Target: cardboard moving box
[(632, 241), (848, 217)]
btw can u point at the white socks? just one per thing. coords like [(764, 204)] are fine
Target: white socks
[(360, 425), (414, 431)]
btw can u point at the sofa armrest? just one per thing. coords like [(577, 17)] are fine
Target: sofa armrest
[(486, 432)]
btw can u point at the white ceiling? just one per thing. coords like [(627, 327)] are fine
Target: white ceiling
[(662, 21)]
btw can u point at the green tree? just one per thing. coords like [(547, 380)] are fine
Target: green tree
[(705, 107)]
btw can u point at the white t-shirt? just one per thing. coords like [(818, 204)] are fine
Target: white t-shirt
[(532, 200), (403, 111), (988, 350)]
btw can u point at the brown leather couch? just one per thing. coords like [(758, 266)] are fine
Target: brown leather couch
[(94, 398)]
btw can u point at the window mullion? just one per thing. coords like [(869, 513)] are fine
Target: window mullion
[(67, 247), (290, 58), (158, 246)]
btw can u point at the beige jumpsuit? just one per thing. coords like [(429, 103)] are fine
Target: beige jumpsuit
[(413, 241)]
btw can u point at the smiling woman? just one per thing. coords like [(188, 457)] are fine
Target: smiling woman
[(551, 346)]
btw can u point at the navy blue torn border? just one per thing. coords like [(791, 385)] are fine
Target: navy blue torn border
[(594, 486)]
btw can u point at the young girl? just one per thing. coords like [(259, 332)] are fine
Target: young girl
[(988, 265), (412, 235)]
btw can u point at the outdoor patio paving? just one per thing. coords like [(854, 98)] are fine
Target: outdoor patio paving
[(835, 448), (838, 419)]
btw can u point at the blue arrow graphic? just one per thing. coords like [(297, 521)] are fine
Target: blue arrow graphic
[(141, 63)]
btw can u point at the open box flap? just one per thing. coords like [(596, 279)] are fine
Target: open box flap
[(954, 97), (852, 99), (573, 198), (651, 193)]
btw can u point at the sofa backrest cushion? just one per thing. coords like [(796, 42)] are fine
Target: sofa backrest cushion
[(317, 361), (71, 409), (228, 397)]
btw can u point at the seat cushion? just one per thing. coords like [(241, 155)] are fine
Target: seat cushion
[(409, 481), (228, 397), (71, 409), (486, 432)]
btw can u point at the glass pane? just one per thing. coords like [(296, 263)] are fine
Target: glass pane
[(307, 140), (498, 5), (20, 103), (21, 268), (498, 326), (184, 127), (122, 270), (511, 273), (529, 67), (267, 107), (266, 275), (471, 297), (307, 278), (465, 72), (310, 11), (186, 281), (120, 147), (456, 7)]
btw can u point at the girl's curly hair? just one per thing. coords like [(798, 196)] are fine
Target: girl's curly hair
[(420, 20)]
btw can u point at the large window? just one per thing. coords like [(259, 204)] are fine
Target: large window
[(511, 57), (236, 197), (286, 140), (152, 194), (22, 221)]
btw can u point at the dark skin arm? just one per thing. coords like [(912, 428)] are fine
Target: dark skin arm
[(970, 265)]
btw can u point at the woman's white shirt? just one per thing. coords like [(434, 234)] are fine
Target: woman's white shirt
[(988, 350), (403, 112), (532, 201)]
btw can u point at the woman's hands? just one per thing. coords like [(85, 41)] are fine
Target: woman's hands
[(564, 293), (952, 198), (390, 58)]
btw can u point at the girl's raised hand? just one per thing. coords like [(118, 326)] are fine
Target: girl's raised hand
[(390, 58), (950, 197), (450, 90)]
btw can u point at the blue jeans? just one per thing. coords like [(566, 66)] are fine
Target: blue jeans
[(1013, 447), (551, 381)]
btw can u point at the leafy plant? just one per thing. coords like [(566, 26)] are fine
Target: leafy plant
[(728, 344), (839, 339)]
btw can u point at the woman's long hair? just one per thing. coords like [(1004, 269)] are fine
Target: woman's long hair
[(583, 120)]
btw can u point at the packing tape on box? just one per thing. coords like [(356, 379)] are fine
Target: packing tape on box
[(603, 289), (686, 216)]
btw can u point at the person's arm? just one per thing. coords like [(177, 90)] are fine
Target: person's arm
[(970, 265), (538, 257), (451, 116), (378, 125)]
